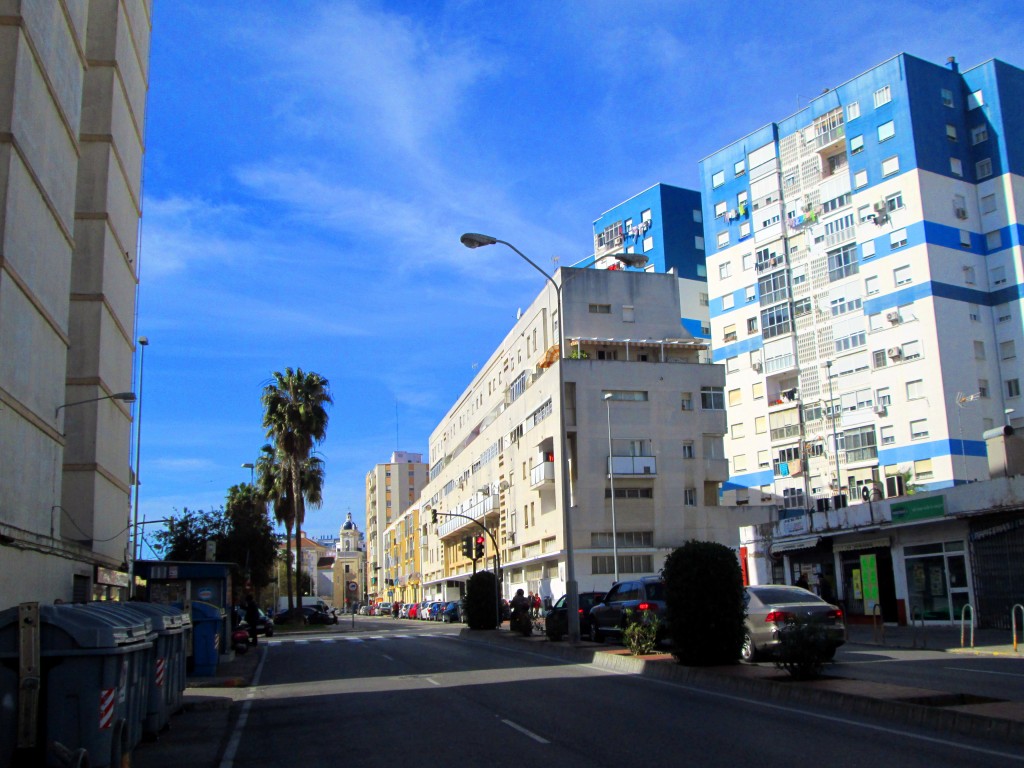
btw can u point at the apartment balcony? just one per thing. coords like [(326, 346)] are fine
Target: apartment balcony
[(634, 465), (829, 139), (784, 397), (868, 454), (844, 235), (775, 262), (542, 474), (473, 510), (788, 432), (716, 470)]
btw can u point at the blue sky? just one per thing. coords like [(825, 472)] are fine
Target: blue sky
[(311, 165)]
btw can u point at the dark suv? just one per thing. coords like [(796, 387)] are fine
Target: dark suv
[(644, 597), (556, 620)]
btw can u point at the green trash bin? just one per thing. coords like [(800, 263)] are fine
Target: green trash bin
[(82, 680)]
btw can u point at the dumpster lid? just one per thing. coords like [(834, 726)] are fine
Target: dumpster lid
[(85, 627)]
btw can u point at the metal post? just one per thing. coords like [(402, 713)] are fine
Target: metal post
[(136, 545)]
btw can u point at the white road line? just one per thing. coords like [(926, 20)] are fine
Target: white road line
[(228, 760), (985, 671), (531, 734), (432, 681), (387, 657)]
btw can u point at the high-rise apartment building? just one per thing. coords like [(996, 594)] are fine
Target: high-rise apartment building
[(865, 264), (639, 397), (390, 489), (73, 82)]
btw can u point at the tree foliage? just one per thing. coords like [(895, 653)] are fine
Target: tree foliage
[(186, 535), (704, 593)]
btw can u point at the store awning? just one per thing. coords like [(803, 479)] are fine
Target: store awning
[(791, 545), (852, 546)]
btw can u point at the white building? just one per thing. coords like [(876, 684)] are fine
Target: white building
[(495, 458)]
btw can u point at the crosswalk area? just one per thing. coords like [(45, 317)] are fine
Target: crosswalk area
[(357, 638)]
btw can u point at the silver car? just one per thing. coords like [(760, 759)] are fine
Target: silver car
[(773, 607)]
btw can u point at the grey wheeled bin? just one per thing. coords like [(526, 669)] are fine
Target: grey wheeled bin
[(139, 665), (76, 692), (175, 626), (160, 674), (207, 624)]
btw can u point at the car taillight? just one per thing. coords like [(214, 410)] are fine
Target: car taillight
[(778, 617), (647, 607), (836, 614)]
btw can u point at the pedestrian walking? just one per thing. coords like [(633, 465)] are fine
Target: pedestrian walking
[(252, 618)]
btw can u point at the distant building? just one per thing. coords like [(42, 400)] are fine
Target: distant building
[(390, 489), (349, 565), (72, 120)]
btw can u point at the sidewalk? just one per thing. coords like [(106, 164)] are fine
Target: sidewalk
[(989, 642)]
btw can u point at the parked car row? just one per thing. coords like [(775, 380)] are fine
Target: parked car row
[(428, 610), (311, 614), (770, 609)]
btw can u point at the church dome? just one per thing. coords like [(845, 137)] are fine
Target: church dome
[(348, 525)]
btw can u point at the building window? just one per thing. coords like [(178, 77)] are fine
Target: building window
[(631, 395), (688, 449), (687, 401), (950, 132), (983, 387), (712, 398), (802, 307), (871, 285), (751, 325), (1013, 387), (979, 350), (722, 241), (698, 242), (867, 250), (998, 275), (882, 96), (994, 240), (915, 389), (886, 131), (739, 168), (965, 238), (956, 167), (983, 168), (898, 239), (728, 301), (842, 262), (860, 179), (919, 429), (988, 204), (902, 275), (856, 144), (1003, 313), (648, 243), (947, 97), (923, 468), (698, 216), (1007, 350), (600, 309), (975, 99), (717, 179), (853, 110), (974, 313), (689, 497), (979, 134), (760, 425), (852, 341), (736, 431), (890, 165), (969, 278), (720, 209), (911, 350), (775, 321), (894, 202), (888, 438)]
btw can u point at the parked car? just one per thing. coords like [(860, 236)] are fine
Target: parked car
[(384, 609), (435, 610), (641, 598), (556, 620), (424, 610), (311, 614), (403, 612), (773, 607), (450, 612), (414, 609), (264, 626), (364, 610)]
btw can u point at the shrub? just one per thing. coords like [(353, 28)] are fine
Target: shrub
[(641, 633), (481, 601), (803, 650), (704, 594)]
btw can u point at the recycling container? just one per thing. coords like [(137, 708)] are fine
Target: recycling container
[(83, 680), (207, 623)]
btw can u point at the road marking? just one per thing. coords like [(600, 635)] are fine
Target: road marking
[(387, 657), (985, 671), (525, 732), (228, 760), (432, 681)]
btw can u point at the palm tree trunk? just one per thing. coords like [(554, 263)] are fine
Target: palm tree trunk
[(288, 565), (298, 502)]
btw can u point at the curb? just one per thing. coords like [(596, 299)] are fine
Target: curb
[(896, 711)]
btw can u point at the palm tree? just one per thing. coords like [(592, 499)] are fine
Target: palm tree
[(296, 420), (274, 484)]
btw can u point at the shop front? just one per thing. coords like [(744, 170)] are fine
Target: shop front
[(867, 579)]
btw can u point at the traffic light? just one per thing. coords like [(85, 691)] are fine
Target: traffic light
[(478, 553), (467, 547), (433, 516)]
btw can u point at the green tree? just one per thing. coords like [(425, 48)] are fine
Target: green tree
[(186, 535), (250, 541), (295, 416), (274, 485)]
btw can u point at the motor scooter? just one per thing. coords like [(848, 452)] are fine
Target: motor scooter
[(520, 621)]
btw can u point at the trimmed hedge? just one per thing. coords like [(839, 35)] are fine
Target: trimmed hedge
[(481, 601), (704, 592)]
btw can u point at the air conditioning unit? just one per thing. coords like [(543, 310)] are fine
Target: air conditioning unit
[(895, 353), (892, 317), (880, 207), (961, 213), (880, 409), (758, 366)]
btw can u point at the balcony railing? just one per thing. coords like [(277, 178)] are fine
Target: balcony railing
[(542, 474), (869, 453), (841, 236), (831, 136), (786, 432), (634, 465)]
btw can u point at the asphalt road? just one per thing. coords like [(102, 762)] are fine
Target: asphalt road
[(411, 693)]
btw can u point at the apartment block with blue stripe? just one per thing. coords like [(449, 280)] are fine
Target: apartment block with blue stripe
[(864, 267), (665, 224)]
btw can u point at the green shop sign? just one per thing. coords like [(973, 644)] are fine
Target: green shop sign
[(918, 509)]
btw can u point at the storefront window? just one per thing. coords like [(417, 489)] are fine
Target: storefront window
[(937, 585)]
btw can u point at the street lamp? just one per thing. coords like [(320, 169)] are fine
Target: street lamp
[(252, 472), (125, 397), (611, 479), (473, 240), (835, 438), (136, 547)]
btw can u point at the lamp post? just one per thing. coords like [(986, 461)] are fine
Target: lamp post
[(252, 472), (611, 480), (835, 437), (472, 240), (136, 548), (125, 397)]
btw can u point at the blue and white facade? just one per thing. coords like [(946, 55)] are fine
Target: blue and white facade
[(864, 267), (665, 224)]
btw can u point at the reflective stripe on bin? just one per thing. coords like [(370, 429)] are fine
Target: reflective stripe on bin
[(107, 707), (161, 668)]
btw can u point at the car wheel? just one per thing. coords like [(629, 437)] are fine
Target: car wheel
[(749, 651), (830, 652), (596, 634), (270, 631)]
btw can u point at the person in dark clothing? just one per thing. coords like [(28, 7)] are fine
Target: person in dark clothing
[(802, 582), (252, 618)]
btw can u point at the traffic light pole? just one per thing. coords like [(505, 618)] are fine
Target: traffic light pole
[(497, 558)]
